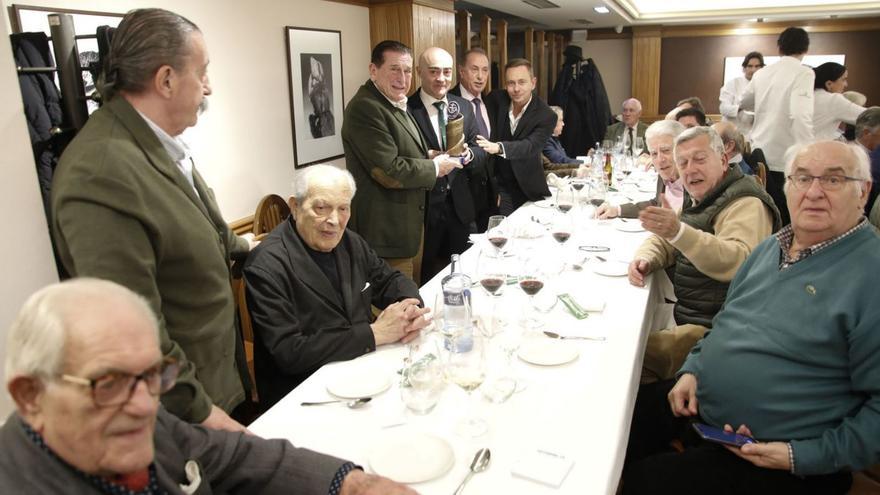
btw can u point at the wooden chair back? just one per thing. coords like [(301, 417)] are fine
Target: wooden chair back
[(244, 319), (271, 211)]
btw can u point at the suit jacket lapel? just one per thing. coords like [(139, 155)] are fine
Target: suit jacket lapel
[(525, 119), (155, 152), (420, 114), (401, 116), (306, 268)]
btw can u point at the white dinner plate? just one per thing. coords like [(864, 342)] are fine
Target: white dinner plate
[(629, 226), (412, 457), (355, 382), (546, 352), (611, 268)]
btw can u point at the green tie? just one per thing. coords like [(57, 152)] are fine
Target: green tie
[(441, 122)]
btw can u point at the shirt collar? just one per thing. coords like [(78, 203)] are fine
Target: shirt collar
[(785, 237), (467, 95), (400, 105), (676, 185), (176, 147), (429, 100)]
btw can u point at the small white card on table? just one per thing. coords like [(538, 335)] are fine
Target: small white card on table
[(543, 466)]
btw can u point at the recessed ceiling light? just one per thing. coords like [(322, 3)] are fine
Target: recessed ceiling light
[(601, 9)]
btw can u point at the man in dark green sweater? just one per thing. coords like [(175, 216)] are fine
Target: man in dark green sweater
[(792, 360)]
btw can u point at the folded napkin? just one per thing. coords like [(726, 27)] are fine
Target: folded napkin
[(543, 466), (554, 180)]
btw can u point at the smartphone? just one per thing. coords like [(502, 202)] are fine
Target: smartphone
[(717, 435)]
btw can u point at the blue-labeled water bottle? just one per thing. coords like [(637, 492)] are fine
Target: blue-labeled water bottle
[(457, 325)]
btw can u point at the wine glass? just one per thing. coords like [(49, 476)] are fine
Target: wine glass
[(565, 199), (597, 194), (531, 281), (638, 146), (468, 370), (491, 274), (497, 234), (561, 229)]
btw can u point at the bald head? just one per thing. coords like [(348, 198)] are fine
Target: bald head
[(435, 69)]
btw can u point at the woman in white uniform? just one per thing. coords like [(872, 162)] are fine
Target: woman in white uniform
[(830, 108)]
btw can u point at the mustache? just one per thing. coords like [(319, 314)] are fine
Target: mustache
[(203, 105)]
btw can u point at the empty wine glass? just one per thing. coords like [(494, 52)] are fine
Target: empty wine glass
[(638, 146)]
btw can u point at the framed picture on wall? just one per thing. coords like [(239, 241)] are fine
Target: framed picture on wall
[(314, 66)]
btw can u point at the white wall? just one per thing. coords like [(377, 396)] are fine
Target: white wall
[(243, 145), (614, 59), (26, 261)]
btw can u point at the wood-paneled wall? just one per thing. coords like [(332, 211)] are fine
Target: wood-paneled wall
[(646, 68)]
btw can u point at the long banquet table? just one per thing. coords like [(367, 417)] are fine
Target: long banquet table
[(580, 410)]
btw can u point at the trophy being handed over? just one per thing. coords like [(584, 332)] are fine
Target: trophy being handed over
[(455, 145)]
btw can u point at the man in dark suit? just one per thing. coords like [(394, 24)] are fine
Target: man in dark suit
[(451, 213), (310, 284), (388, 157), (630, 126), (473, 75), (521, 124), (85, 370)]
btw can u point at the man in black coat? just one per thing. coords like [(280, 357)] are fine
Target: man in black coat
[(451, 214), (473, 75), (310, 284), (521, 124)]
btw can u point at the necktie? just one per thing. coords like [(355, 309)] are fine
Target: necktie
[(441, 123), (629, 130), (481, 124)]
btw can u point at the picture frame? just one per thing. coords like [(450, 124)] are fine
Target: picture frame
[(27, 18), (314, 68)]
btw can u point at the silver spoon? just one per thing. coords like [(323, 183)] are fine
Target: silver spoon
[(554, 335), (351, 404), (478, 465)]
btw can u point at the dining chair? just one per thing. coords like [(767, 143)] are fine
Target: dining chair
[(271, 211), (244, 319)]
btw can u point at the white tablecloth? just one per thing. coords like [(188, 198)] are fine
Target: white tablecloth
[(580, 410)]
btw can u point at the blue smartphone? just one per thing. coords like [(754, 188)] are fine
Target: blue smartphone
[(717, 435)]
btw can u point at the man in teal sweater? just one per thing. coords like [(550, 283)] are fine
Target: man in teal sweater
[(793, 359)]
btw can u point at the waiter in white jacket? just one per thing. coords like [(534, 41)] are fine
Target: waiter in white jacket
[(781, 96), (732, 91)]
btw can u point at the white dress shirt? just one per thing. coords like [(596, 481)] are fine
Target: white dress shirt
[(484, 114), (177, 150), (514, 120), (782, 97), (433, 114), (729, 99), (829, 110)]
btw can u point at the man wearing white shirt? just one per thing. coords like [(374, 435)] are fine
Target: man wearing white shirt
[(450, 214), (522, 122), (732, 91), (782, 98), (473, 76)]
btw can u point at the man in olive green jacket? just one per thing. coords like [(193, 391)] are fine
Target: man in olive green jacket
[(129, 206), (390, 162)]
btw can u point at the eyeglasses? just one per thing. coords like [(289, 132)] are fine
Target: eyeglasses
[(802, 182), (116, 388)]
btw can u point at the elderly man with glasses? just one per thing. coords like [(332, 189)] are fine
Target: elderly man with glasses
[(793, 359), (84, 368)]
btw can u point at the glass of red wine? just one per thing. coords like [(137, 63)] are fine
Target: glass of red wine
[(565, 198), (492, 274), (561, 229), (531, 280), (597, 194), (497, 233)]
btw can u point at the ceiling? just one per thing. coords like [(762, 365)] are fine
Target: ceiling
[(579, 14)]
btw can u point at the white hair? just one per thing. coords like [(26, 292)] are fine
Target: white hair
[(669, 128), (857, 157), (694, 132), (637, 102), (302, 179), (36, 340)]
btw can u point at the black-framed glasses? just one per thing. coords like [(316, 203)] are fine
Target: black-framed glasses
[(116, 387), (802, 182)]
